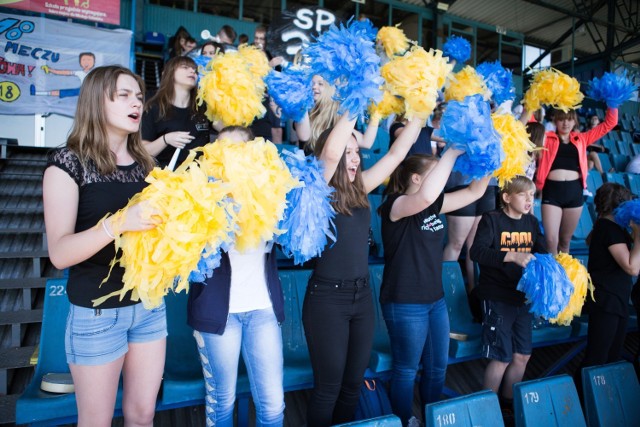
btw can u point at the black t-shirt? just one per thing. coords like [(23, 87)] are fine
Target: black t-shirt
[(177, 119), (98, 196), (612, 284), (262, 127), (498, 234), (412, 255), (422, 144), (348, 258)]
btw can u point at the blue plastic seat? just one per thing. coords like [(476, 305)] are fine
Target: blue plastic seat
[(623, 148), (468, 335), (381, 143), (626, 136), (585, 224), (605, 161), (618, 178), (35, 405), (369, 158), (633, 183), (594, 181), (384, 421), (537, 210), (611, 145), (611, 395), (477, 409), (620, 161), (549, 401), (381, 359)]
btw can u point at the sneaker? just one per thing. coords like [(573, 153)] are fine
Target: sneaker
[(587, 193), (414, 422)]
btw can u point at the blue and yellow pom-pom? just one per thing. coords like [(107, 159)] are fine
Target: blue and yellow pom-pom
[(546, 286), (581, 280)]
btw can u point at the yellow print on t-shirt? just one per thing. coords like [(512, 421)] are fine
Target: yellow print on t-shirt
[(516, 241)]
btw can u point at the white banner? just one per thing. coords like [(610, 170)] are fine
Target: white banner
[(43, 62)]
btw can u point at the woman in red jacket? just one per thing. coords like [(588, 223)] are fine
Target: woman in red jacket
[(562, 175)]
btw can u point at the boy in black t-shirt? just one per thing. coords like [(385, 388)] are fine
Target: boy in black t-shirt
[(503, 246)]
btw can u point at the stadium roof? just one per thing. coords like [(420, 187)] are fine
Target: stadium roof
[(548, 24)]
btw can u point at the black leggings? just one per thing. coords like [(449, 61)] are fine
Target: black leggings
[(605, 337), (339, 325)]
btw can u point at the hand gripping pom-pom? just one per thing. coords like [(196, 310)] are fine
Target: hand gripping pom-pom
[(457, 48), (546, 286), (626, 212), (499, 81), (291, 91), (613, 89), (308, 219), (468, 126), (581, 280), (347, 60)]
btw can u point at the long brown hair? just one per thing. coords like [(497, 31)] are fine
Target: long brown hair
[(609, 196), (167, 91), (400, 179), (88, 137), (348, 195)]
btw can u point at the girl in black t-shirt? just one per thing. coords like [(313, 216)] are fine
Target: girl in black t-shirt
[(103, 165), (614, 256), (171, 119), (337, 313), (412, 297)]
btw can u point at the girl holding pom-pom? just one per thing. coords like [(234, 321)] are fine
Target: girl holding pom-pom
[(614, 257), (172, 121), (562, 175), (412, 296), (103, 165), (338, 311)]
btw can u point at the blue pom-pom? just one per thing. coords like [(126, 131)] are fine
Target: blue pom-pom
[(546, 286), (308, 219), (467, 126), (201, 62), (499, 80), (346, 57), (613, 89), (626, 212), (457, 48), (208, 262), (363, 28), (291, 90)]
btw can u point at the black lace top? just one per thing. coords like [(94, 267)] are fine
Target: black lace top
[(98, 195)]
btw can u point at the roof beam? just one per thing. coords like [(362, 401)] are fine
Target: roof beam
[(580, 16)]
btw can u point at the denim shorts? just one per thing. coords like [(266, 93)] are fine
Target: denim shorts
[(99, 336)]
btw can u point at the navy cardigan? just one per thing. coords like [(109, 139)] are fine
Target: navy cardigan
[(208, 306)]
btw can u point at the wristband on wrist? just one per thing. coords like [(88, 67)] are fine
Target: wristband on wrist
[(106, 230), (164, 140)]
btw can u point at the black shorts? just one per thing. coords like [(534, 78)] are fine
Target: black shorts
[(564, 194), (484, 204), (506, 329)]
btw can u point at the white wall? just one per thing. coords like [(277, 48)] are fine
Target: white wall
[(56, 129)]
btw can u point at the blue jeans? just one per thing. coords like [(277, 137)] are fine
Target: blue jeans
[(258, 335), (419, 333)]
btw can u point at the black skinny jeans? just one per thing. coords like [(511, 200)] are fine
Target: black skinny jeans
[(339, 323), (605, 338)]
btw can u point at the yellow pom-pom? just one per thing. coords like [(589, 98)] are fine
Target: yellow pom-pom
[(465, 82), (554, 88), (258, 61), (195, 214), (259, 181), (581, 280), (416, 77), (232, 93), (393, 40), (390, 104), (515, 144)]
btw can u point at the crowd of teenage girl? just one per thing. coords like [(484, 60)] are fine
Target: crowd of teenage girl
[(117, 139)]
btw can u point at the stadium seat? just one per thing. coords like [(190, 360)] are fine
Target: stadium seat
[(633, 183), (605, 161), (466, 336), (35, 405), (549, 401), (611, 395), (623, 148), (626, 136), (635, 148), (477, 409), (594, 181), (537, 211), (369, 158), (381, 143), (610, 145), (384, 421), (616, 177), (381, 358), (375, 200), (585, 224), (620, 161)]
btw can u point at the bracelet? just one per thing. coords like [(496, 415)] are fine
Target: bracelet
[(164, 140), (106, 230)]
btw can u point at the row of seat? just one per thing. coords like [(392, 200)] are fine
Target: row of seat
[(183, 383)]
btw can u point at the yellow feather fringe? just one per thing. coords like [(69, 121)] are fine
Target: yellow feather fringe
[(194, 214), (416, 77), (393, 40), (233, 93), (581, 280), (515, 144), (389, 105), (554, 88), (259, 181), (258, 61), (465, 82)]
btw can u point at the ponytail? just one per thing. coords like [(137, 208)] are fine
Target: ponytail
[(401, 177)]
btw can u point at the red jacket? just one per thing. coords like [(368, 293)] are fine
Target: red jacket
[(581, 140)]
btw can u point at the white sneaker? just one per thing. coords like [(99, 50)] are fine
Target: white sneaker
[(587, 193), (414, 422)]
